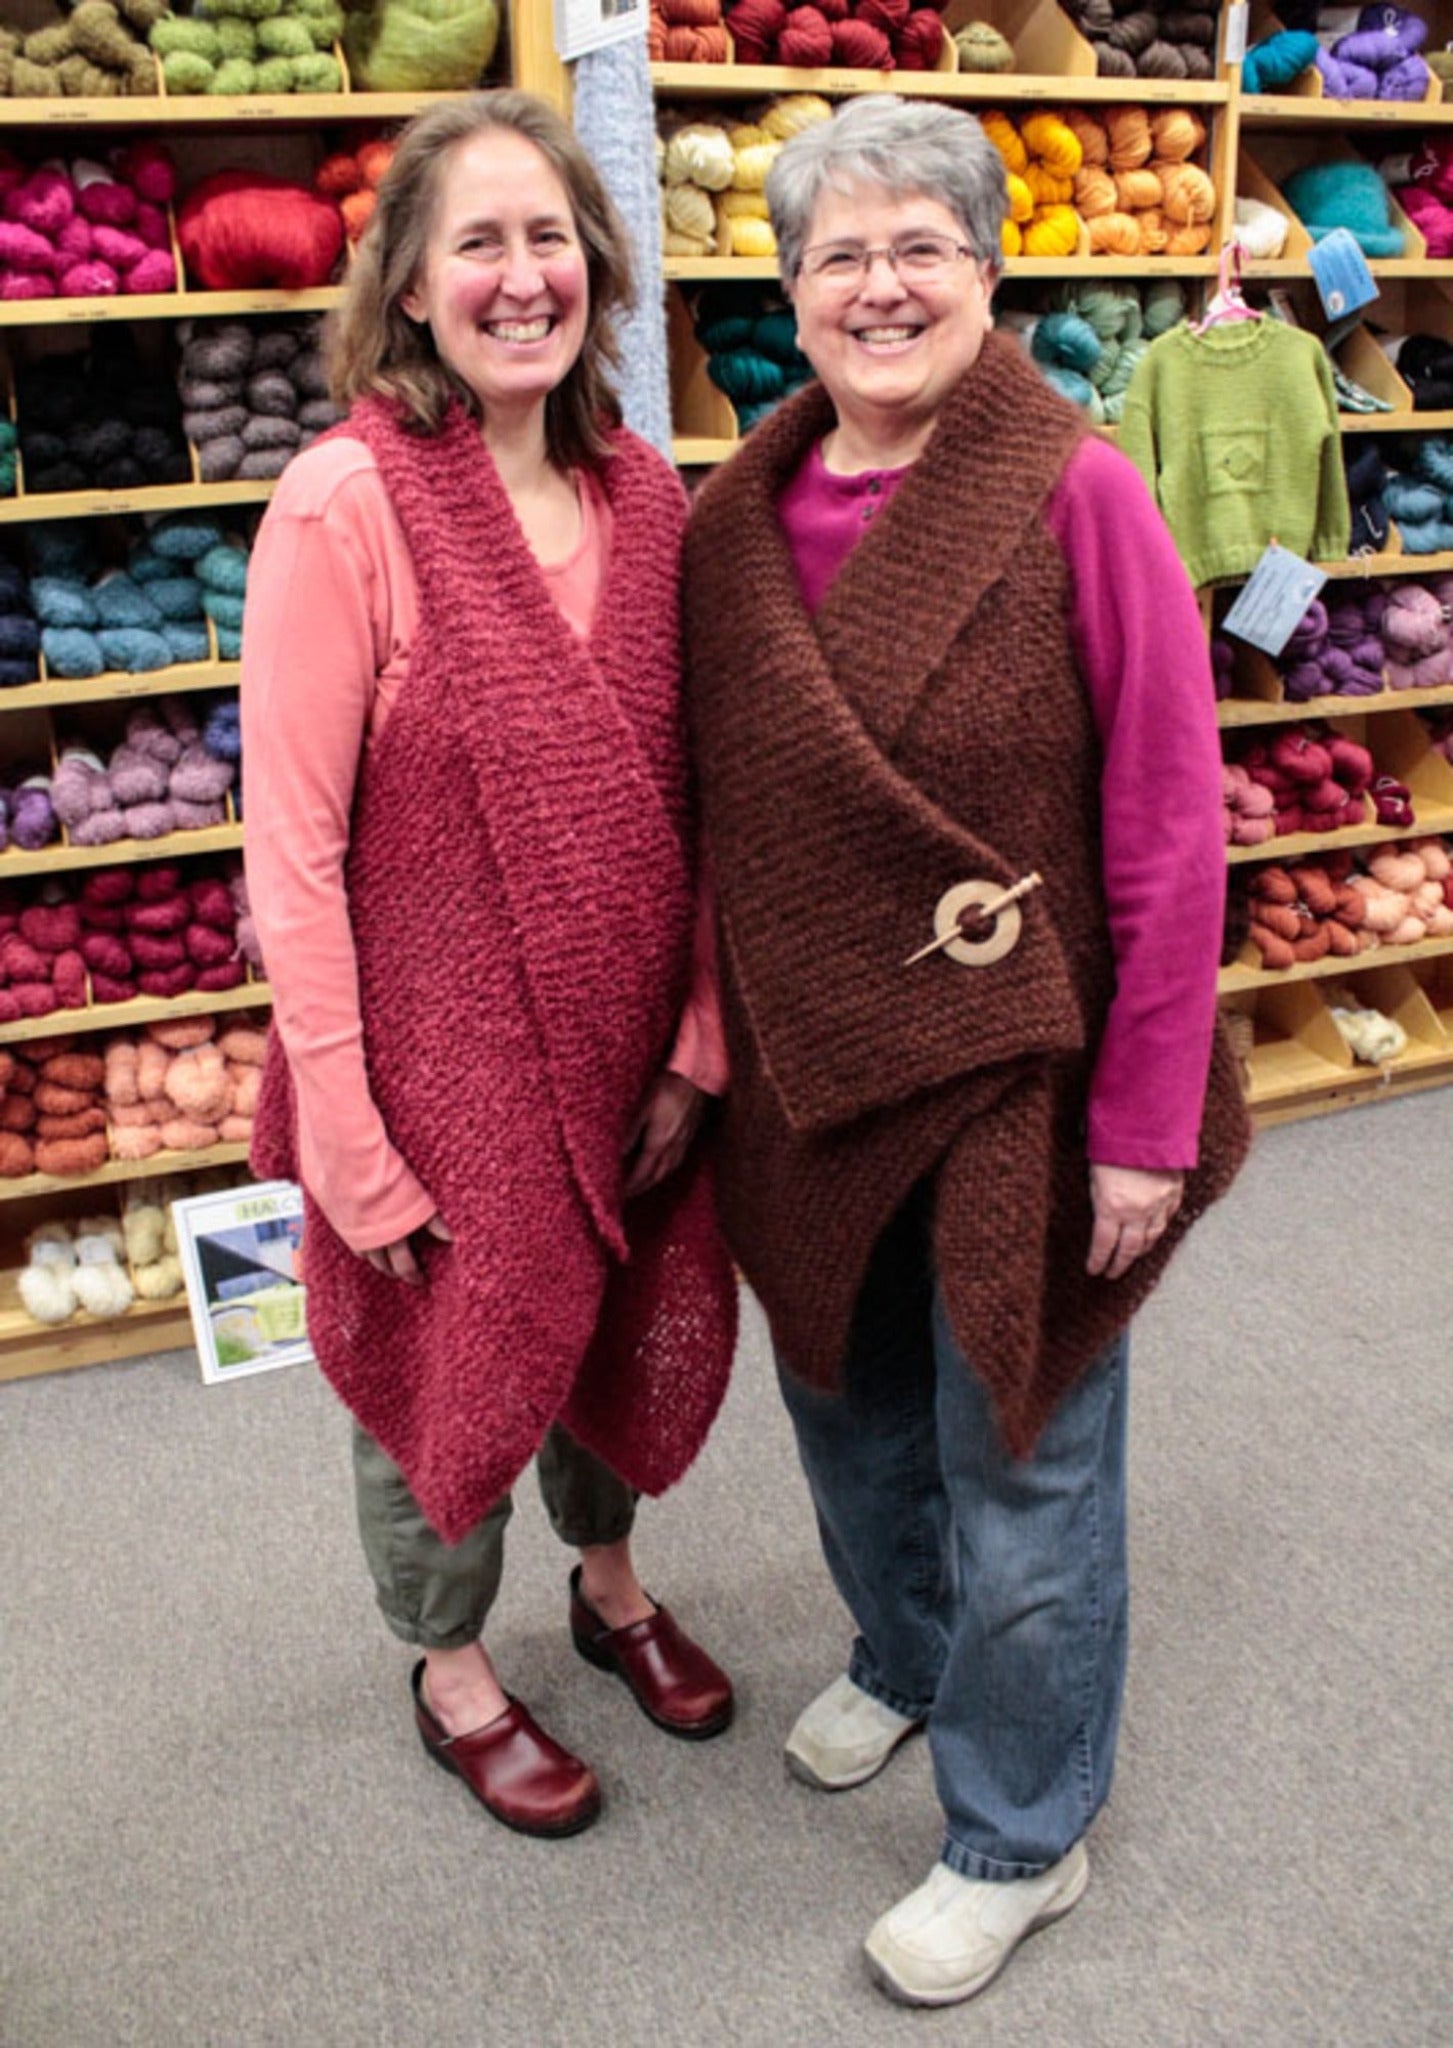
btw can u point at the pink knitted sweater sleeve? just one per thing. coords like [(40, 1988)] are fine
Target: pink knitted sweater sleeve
[(1142, 652), (316, 635)]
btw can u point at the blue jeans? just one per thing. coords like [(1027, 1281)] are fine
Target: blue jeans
[(989, 1592)]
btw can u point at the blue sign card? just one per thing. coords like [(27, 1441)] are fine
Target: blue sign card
[(1340, 269), (1273, 600)]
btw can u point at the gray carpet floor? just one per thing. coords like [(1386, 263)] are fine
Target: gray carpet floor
[(217, 1827)]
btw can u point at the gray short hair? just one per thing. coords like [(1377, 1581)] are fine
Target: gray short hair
[(906, 146)]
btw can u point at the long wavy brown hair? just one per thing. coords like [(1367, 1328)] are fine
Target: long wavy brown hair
[(375, 348)]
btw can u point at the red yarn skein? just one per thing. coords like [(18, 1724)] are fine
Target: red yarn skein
[(755, 26), (243, 228), (919, 43), (888, 15), (861, 46), (807, 38)]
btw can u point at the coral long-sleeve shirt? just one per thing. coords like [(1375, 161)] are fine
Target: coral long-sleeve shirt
[(1142, 654), (332, 615)]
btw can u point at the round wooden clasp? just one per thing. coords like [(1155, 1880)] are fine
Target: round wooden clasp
[(999, 940)]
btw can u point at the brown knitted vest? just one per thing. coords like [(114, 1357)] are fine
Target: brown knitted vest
[(927, 727), (520, 891)]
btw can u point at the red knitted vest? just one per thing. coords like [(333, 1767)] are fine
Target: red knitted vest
[(927, 727), (521, 898)]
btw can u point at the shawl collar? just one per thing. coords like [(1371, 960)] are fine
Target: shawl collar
[(598, 889), (983, 479), (796, 726)]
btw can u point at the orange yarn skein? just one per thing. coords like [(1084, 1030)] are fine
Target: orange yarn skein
[(1130, 141), (1190, 197), (1135, 190), (1115, 234), (1176, 133), (1094, 192)]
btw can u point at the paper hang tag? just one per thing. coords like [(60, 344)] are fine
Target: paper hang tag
[(1343, 279), (583, 26), (1235, 32), (1273, 600)]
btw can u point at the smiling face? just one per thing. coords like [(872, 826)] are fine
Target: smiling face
[(889, 349), (503, 286)]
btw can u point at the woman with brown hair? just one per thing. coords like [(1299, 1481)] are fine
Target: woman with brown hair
[(470, 857)]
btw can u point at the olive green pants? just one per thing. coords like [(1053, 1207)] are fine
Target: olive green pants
[(437, 1594)]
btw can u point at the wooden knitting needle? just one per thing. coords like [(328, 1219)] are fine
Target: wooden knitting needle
[(987, 913)]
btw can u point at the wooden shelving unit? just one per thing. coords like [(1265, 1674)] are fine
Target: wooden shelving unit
[(64, 859), (248, 995), (154, 499), (1254, 141), (287, 124)]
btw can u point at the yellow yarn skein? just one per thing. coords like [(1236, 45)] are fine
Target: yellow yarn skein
[(753, 164), (1176, 133), (752, 237), (1021, 199), (1011, 241), (1054, 142), (736, 205), (1048, 187), (746, 135), (1053, 232), (1005, 137), (700, 154), (795, 111)]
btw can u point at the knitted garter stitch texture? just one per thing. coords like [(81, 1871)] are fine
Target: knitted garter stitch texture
[(520, 974), (926, 727)]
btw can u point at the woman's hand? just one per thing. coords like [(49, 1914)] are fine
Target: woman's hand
[(663, 1131), (399, 1260), (1132, 1209)]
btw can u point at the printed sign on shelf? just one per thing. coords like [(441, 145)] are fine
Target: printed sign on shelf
[(1273, 600)]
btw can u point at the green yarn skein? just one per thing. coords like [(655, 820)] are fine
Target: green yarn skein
[(420, 45)]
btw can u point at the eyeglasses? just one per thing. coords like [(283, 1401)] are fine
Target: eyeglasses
[(921, 257)]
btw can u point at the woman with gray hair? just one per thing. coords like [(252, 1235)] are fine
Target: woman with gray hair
[(956, 742)]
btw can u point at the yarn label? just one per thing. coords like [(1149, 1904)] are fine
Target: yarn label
[(1343, 279), (1236, 24), (1273, 600)]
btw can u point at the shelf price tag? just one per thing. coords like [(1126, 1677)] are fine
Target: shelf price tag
[(1343, 279), (1273, 600)]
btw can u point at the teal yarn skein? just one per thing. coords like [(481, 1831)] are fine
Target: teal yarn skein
[(1067, 342)]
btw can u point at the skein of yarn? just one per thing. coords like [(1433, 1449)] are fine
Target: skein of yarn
[(244, 228)]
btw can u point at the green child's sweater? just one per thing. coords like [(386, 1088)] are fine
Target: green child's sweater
[(1235, 431)]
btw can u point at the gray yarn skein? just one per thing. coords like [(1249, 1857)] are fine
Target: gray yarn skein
[(615, 121)]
